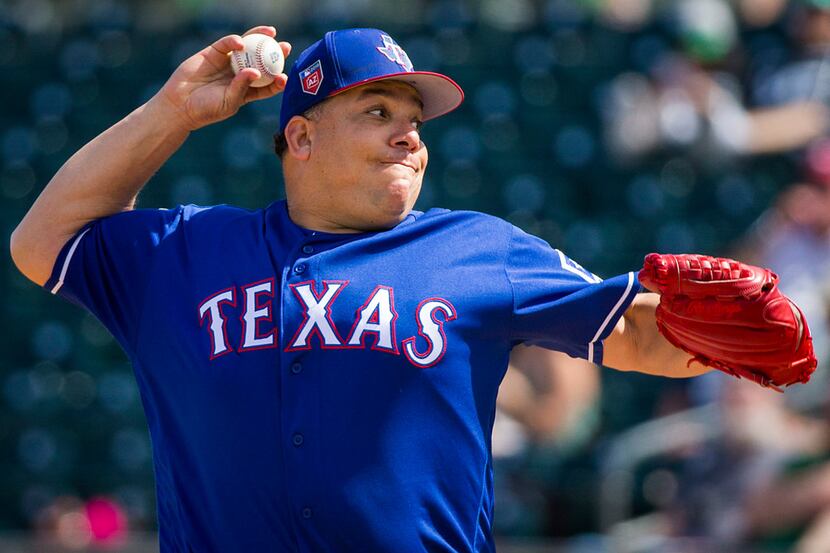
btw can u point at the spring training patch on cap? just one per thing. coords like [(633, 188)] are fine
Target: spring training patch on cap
[(311, 78), (395, 53)]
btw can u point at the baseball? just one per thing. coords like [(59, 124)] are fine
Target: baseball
[(261, 52)]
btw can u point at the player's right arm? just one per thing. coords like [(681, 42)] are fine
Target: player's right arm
[(105, 176)]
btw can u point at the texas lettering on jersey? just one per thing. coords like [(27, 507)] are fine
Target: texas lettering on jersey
[(375, 321)]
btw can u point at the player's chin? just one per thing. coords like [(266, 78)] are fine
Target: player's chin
[(402, 193), (398, 198)]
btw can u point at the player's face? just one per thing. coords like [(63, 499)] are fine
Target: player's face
[(369, 151)]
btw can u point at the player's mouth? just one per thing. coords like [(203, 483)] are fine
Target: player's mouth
[(406, 164)]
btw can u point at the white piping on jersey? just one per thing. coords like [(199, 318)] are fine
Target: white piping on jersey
[(610, 316), (66, 261), (584, 274)]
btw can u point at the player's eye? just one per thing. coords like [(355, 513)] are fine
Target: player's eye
[(380, 112), (417, 124)]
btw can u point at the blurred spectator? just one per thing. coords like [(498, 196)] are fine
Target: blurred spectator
[(793, 239), (548, 393), (546, 414), (720, 498), (628, 15), (79, 525), (692, 100), (795, 507), (760, 434), (760, 13), (807, 76)]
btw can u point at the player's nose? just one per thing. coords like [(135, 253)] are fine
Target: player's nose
[(407, 137)]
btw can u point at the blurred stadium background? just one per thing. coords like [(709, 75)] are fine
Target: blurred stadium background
[(611, 128)]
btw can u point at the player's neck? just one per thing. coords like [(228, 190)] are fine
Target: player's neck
[(317, 221)]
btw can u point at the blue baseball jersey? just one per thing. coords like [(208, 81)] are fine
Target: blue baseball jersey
[(314, 392)]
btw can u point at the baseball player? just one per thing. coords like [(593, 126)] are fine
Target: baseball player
[(321, 374)]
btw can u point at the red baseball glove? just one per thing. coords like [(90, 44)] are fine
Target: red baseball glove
[(731, 316)]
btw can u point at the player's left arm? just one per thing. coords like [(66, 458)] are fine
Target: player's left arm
[(636, 344)]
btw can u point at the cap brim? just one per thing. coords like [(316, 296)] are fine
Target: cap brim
[(439, 93)]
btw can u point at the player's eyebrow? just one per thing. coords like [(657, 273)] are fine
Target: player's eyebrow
[(387, 93)]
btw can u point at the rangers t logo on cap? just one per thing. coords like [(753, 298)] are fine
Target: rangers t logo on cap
[(395, 53), (312, 77)]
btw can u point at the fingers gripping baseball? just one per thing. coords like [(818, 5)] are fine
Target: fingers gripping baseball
[(731, 316), (204, 90), (237, 90)]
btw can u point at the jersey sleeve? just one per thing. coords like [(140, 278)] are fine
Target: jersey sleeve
[(559, 305), (106, 266)]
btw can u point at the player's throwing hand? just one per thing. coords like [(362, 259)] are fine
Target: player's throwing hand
[(204, 90)]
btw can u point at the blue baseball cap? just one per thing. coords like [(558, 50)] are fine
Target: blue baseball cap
[(345, 59)]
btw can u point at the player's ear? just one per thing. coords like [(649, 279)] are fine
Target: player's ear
[(298, 134)]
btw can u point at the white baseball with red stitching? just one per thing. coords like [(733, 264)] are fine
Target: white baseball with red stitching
[(261, 52)]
